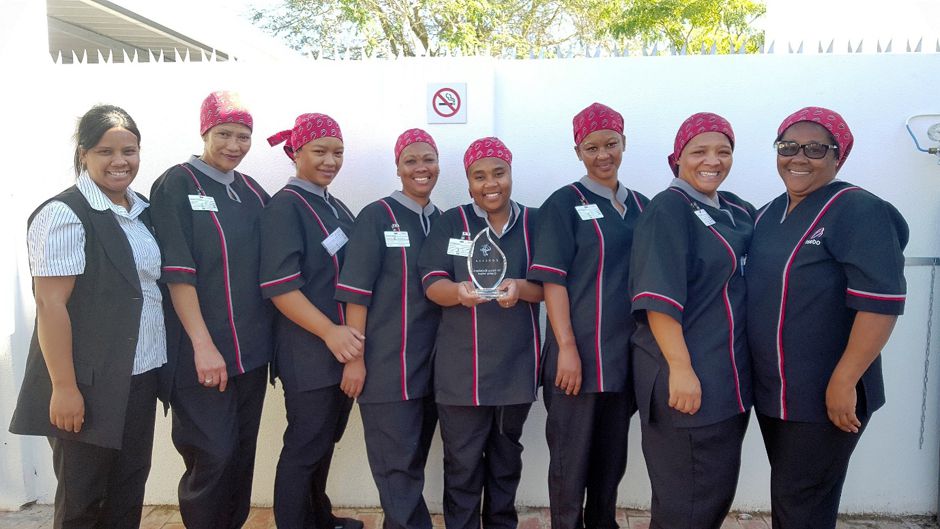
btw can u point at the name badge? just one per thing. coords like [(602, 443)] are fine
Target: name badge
[(704, 217), (589, 211), (335, 241), (397, 239), (459, 247), (201, 203)]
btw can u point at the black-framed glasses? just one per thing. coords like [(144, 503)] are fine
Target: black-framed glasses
[(811, 150)]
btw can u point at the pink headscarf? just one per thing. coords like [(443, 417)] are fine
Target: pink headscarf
[(486, 148), (307, 127), (830, 119), (223, 107), (412, 136), (596, 117), (694, 125)]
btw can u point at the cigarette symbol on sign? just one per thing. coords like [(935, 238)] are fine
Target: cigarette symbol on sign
[(446, 102)]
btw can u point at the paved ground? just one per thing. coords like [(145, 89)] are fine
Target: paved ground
[(168, 517)]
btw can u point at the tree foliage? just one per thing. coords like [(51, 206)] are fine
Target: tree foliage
[(435, 27)]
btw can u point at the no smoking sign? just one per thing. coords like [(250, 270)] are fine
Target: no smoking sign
[(447, 102)]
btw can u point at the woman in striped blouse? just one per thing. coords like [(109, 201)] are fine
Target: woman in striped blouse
[(91, 375)]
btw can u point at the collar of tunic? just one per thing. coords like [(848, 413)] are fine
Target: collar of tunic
[(406, 201), (320, 191), (620, 197), (701, 197), (513, 215), (100, 202), (213, 173)]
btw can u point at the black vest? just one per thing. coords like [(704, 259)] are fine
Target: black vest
[(104, 309)]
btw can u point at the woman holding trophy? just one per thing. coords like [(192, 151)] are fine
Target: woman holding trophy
[(473, 265)]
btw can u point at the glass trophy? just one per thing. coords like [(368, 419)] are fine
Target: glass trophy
[(487, 266)]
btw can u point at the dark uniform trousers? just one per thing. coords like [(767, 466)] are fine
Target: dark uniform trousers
[(103, 488), (693, 471), (316, 420), (482, 456), (217, 433), (587, 439), (398, 437), (808, 465)]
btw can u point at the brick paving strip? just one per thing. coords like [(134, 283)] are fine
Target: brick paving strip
[(168, 517)]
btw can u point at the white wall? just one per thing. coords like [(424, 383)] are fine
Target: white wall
[(529, 104)]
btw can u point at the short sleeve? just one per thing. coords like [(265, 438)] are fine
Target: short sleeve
[(869, 243), (172, 220), (364, 256), (282, 248), (433, 263), (659, 258), (56, 242), (555, 241)]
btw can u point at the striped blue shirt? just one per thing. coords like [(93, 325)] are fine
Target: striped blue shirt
[(56, 242)]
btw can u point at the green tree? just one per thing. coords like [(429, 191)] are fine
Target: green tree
[(472, 27)]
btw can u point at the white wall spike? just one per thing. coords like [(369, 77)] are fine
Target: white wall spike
[(213, 57), (126, 58), (888, 49), (186, 58), (859, 48), (771, 49), (919, 43), (742, 50), (176, 55), (160, 57), (714, 49), (831, 44), (58, 57), (801, 47), (100, 57), (202, 55), (150, 56)]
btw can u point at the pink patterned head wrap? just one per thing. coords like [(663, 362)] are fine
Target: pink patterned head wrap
[(307, 127), (830, 119), (596, 117), (489, 147), (223, 107), (694, 125), (412, 136)]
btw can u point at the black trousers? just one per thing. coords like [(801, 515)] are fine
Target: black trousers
[(482, 456), (103, 488), (808, 465), (398, 436), (217, 433), (316, 421), (693, 471), (587, 443)]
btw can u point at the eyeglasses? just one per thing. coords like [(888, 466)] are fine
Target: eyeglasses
[(814, 150)]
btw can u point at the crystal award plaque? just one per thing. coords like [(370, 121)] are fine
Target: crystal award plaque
[(487, 266)]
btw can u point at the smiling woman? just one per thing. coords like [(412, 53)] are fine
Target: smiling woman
[(207, 216), (88, 389)]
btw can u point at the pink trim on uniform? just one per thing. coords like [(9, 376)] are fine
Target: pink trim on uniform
[(598, 291), (636, 199), (253, 190), (732, 204), (874, 295), (435, 273), (659, 297), (226, 279), (354, 290), (326, 233), (783, 297), (727, 301), (403, 358), (184, 269), (473, 319), (546, 268), (279, 281)]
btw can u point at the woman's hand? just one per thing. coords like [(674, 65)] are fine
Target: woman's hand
[(210, 366), (345, 342), (568, 376), (67, 408), (467, 295), (354, 377), (685, 390), (511, 293), (840, 405)]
